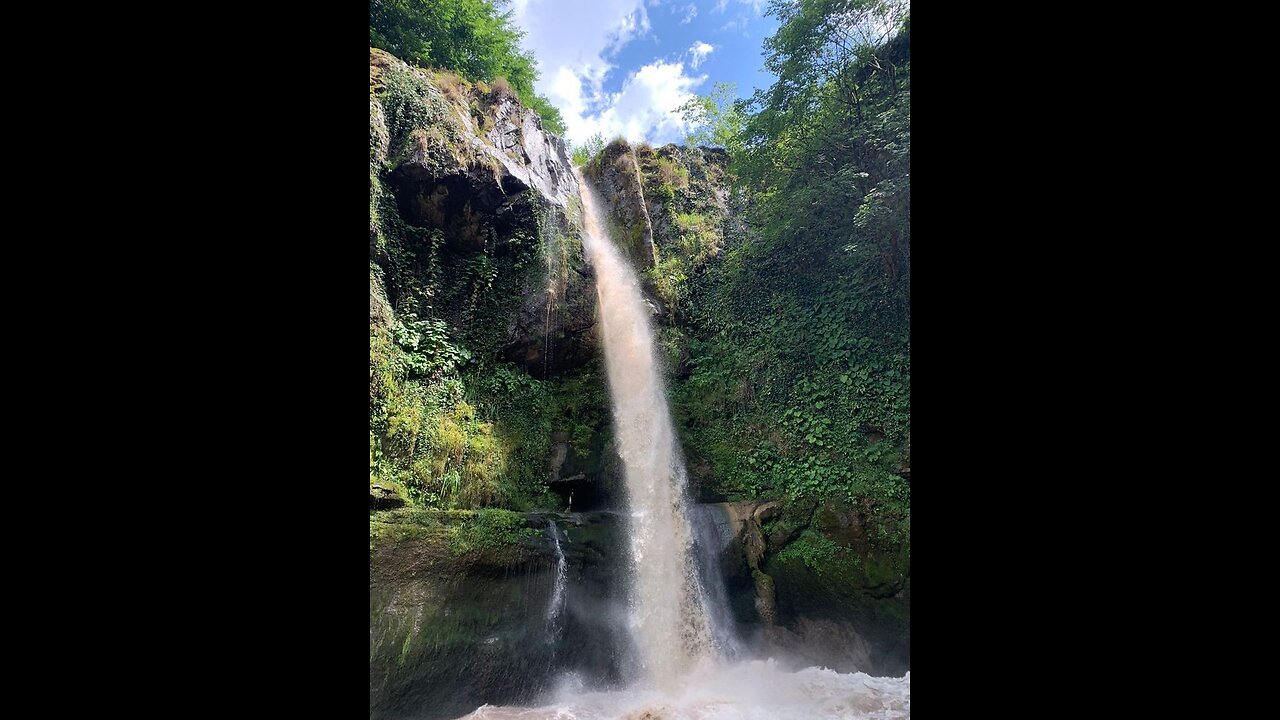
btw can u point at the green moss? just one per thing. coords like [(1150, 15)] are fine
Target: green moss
[(581, 405), (398, 532), (490, 530), (816, 575), (671, 175), (819, 554), (818, 571), (415, 111), (451, 424)]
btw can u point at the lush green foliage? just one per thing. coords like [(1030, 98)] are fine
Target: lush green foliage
[(487, 530), (717, 119), (583, 155), (451, 425), (799, 334), (816, 551), (470, 37)]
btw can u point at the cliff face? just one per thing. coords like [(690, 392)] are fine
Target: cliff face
[(481, 305), (463, 611), (471, 171), (617, 178), (834, 565), (485, 390)]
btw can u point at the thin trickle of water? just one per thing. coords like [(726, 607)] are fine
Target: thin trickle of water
[(546, 334), (669, 622), (711, 536), (557, 595), (551, 248)]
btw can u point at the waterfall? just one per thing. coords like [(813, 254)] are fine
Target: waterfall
[(712, 534), (691, 665), (557, 595), (668, 620)]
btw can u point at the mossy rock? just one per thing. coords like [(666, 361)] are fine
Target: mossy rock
[(817, 578), (451, 631)]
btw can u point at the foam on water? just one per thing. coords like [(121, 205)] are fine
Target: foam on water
[(683, 634), (755, 690)]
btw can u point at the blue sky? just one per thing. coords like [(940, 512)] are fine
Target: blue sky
[(622, 67)]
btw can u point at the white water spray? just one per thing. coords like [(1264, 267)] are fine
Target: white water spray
[(557, 595), (684, 675), (755, 690), (669, 622)]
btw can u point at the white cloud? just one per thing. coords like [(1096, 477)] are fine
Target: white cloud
[(573, 41), (739, 24), (757, 5), (699, 52), (633, 24), (578, 35), (647, 106), (691, 12)]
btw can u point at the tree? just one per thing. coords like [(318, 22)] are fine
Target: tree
[(715, 119), (830, 141), (801, 330), (583, 155)]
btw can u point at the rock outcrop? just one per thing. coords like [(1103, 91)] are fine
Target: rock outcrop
[(475, 223), (474, 181), (848, 612), (617, 178), (458, 615)]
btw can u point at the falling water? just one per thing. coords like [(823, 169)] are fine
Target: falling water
[(686, 645), (557, 595), (712, 534), (668, 622)]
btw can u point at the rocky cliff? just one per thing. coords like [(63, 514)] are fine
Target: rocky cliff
[(481, 304), (471, 172), (823, 578), (485, 390), (461, 608)]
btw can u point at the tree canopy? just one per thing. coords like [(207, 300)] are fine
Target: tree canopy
[(801, 343), (828, 146), (716, 119)]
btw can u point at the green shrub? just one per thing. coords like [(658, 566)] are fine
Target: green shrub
[(489, 530)]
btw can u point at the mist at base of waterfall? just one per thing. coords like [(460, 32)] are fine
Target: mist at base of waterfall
[(670, 622), (754, 690), (678, 615)]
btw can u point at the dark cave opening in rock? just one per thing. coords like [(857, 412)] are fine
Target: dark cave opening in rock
[(580, 493)]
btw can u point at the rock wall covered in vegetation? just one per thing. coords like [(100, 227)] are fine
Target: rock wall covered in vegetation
[(461, 608), (482, 341), (790, 382), (789, 367)]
